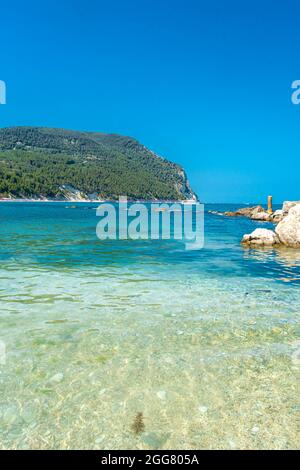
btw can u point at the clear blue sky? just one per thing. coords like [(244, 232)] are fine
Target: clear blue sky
[(206, 84)]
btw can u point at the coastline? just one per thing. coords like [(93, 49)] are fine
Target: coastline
[(98, 201), (51, 200)]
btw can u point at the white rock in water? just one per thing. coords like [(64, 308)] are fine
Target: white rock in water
[(232, 444), (10, 415), (277, 216), (260, 215), (287, 205), (288, 230), (57, 377), (161, 395), (203, 409), (261, 237)]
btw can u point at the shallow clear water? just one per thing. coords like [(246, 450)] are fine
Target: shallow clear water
[(203, 343)]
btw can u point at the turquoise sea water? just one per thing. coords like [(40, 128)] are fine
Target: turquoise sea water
[(203, 343)]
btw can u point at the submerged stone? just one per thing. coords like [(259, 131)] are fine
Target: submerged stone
[(162, 394), (154, 441), (203, 409), (57, 377), (255, 430), (10, 415)]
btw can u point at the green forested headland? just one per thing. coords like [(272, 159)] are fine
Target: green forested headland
[(43, 162)]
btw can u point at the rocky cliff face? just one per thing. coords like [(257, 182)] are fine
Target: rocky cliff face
[(184, 186)]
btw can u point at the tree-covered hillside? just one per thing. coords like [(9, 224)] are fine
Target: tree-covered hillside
[(41, 162)]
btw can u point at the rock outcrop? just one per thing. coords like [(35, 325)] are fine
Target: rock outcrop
[(276, 216), (287, 205), (288, 230), (245, 212), (260, 214), (254, 213), (261, 237)]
